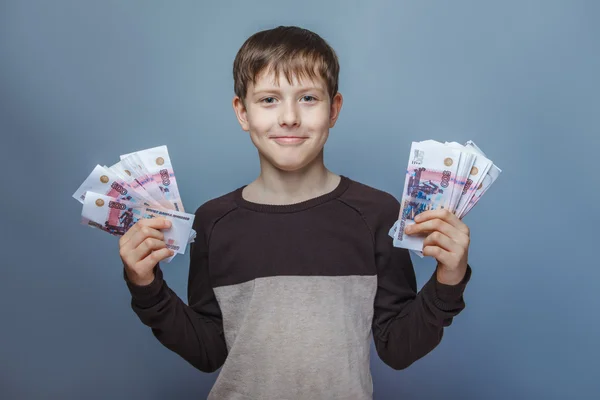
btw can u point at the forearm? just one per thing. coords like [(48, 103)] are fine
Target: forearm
[(195, 337), (418, 328)]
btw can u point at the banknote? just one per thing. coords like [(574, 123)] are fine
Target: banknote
[(476, 173), (465, 164), (120, 170), (392, 234), (136, 168), (181, 227), (441, 175), (102, 180), (141, 185), (486, 182), (109, 214), (157, 162), (491, 176), (428, 185), (117, 217)]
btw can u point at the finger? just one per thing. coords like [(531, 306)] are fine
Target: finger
[(443, 214), (142, 234), (147, 247), (128, 234), (154, 258), (146, 226), (132, 231), (434, 225), (443, 256), (443, 241)]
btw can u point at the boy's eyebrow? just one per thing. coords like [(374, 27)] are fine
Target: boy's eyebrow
[(277, 90)]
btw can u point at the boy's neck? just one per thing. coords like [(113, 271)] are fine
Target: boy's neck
[(277, 187)]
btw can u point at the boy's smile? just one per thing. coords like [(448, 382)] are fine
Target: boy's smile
[(288, 122), (288, 140)]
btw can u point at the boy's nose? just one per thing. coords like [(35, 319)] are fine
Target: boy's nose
[(289, 115)]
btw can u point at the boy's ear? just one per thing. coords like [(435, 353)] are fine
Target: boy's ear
[(334, 111), (241, 113)]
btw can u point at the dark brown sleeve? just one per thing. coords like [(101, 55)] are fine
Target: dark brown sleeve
[(407, 325), (193, 331)]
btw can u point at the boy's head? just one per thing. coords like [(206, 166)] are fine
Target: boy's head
[(286, 95)]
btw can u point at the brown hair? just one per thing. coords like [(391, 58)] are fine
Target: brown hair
[(289, 49)]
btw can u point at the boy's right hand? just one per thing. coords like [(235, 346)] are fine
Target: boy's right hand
[(142, 247)]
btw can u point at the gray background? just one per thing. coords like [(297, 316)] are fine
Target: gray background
[(82, 82)]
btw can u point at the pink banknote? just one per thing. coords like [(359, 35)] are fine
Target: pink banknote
[(102, 180), (157, 162), (429, 184), (117, 217)]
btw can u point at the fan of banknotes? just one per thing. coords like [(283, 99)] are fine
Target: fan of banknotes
[(141, 185), (441, 175)]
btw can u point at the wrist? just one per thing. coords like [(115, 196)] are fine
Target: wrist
[(147, 290), (450, 277), (139, 280)]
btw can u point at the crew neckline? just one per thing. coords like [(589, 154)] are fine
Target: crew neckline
[(294, 207)]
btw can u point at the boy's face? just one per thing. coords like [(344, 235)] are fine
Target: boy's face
[(288, 123)]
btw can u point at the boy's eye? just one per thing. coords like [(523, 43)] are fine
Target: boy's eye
[(271, 100)]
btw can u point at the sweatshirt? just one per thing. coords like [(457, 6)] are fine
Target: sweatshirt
[(285, 299)]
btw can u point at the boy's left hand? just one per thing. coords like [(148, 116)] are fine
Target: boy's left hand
[(447, 241)]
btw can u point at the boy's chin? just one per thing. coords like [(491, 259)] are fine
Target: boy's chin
[(289, 165)]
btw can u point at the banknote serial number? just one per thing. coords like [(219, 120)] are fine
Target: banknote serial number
[(164, 175)]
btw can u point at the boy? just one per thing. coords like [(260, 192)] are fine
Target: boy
[(290, 274)]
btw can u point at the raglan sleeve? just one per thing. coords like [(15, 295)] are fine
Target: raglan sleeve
[(408, 324), (193, 330)]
